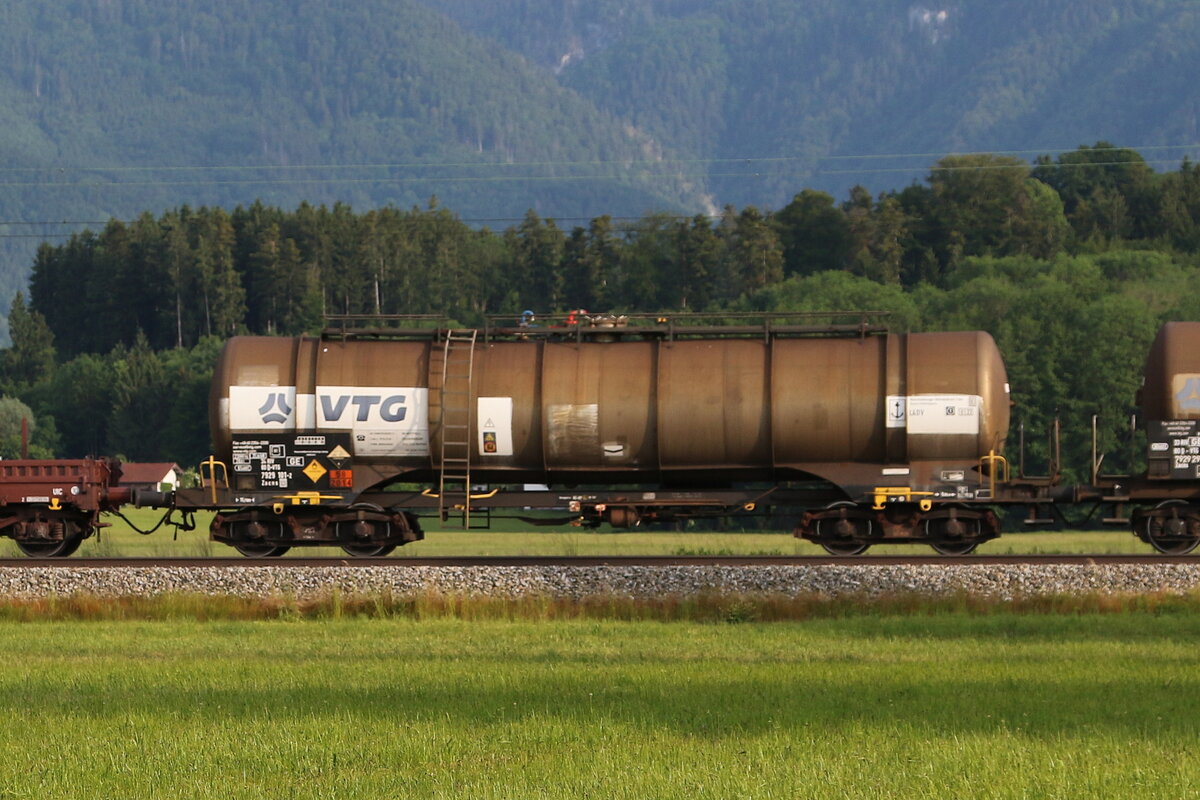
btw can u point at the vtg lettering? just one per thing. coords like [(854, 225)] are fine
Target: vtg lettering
[(391, 408)]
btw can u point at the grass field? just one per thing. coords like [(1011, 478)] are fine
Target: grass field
[(930, 706), (121, 540)]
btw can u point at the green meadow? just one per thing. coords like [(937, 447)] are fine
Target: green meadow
[(866, 706)]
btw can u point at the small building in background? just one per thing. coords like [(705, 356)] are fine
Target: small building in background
[(155, 477)]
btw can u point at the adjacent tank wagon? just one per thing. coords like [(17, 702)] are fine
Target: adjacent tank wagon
[(1162, 504)]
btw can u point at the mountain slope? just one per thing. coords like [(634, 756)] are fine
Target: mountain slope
[(116, 106), (829, 93)]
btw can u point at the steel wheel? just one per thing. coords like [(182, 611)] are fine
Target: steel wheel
[(954, 548), (76, 543), (368, 550), (261, 550), (1160, 537), (953, 536), (850, 548), (844, 545), (1175, 548), (51, 549)]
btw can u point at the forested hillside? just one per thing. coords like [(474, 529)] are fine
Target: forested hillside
[(111, 107), (775, 94), (1071, 263)]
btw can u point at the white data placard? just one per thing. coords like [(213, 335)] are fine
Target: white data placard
[(494, 426), (944, 413)]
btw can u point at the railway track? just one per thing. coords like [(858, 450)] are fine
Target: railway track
[(604, 561)]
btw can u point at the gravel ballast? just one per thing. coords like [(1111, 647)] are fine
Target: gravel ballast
[(303, 582)]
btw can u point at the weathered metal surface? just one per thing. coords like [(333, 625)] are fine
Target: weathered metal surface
[(509, 369), (829, 399), (713, 407), (86, 483), (965, 364), (1171, 390), (649, 408)]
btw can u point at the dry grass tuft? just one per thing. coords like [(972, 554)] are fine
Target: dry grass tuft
[(713, 607)]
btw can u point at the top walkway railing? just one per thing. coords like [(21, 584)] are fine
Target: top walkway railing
[(581, 326)]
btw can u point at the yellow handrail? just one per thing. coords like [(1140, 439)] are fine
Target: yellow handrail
[(990, 462), (211, 480)]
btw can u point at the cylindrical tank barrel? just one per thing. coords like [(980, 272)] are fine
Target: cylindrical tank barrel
[(1171, 386), (624, 409)]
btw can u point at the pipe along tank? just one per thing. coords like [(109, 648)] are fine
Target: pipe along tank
[(900, 432)]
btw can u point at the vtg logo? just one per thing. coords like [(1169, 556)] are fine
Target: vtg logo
[(276, 409), (389, 408), (1188, 398)]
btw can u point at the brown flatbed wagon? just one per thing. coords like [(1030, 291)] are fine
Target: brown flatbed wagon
[(50, 506)]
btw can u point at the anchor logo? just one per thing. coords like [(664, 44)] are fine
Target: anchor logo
[(275, 400)]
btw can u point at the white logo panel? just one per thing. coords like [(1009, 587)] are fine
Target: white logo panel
[(262, 408), (494, 426), (384, 420), (944, 413)]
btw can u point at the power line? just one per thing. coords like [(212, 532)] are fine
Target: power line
[(535, 178), (626, 174), (36, 235), (479, 179), (116, 168), (479, 220)]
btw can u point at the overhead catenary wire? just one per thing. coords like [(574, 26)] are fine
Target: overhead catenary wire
[(533, 178), (628, 165), (435, 179), (749, 159)]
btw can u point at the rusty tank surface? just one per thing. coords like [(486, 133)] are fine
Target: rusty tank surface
[(1171, 378), (702, 407)]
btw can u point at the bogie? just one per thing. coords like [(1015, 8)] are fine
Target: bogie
[(1172, 527), (363, 531)]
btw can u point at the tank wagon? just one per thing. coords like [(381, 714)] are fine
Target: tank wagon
[(862, 434), (1162, 504)]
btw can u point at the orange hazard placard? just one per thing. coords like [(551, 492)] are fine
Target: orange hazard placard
[(314, 470)]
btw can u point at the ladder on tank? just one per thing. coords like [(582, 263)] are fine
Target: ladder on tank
[(454, 483)]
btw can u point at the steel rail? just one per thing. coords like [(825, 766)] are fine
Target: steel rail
[(605, 561)]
